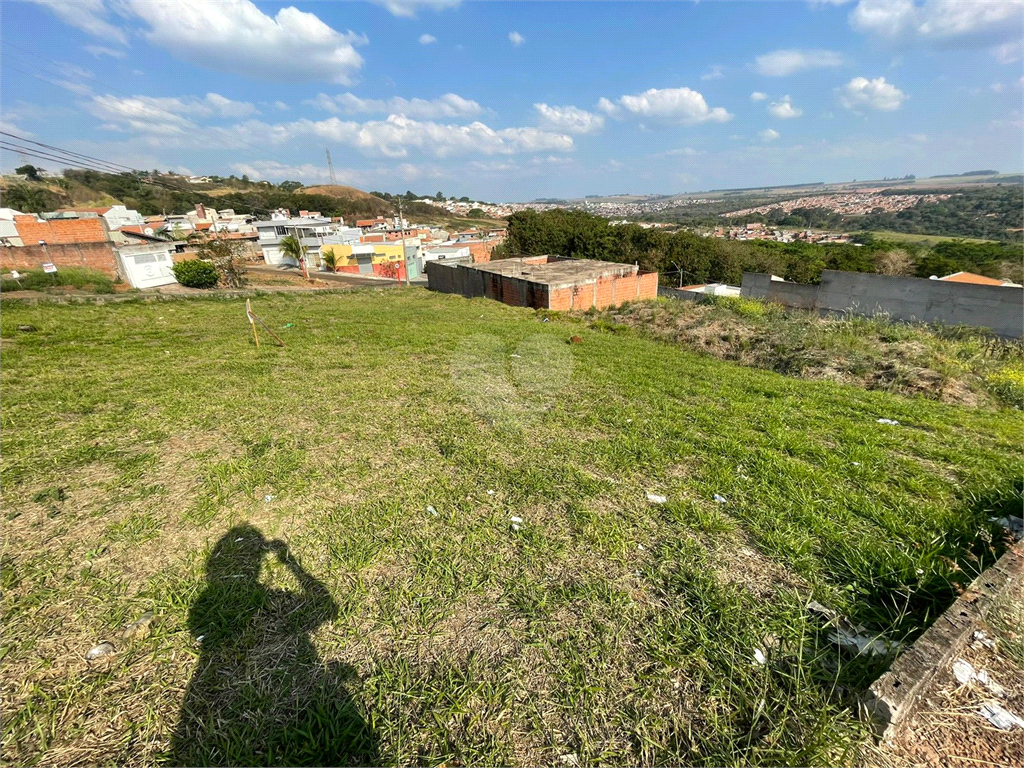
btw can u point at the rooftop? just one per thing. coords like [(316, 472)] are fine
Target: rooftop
[(971, 277), (556, 271)]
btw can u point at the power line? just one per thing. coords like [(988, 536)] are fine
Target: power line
[(145, 108), (81, 165)]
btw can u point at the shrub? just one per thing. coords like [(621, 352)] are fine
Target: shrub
[(226, 258), (1007, 384), (83, 278), (750, 309), (195, 273)]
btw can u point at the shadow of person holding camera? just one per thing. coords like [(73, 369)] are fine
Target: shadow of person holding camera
[(260, 694)]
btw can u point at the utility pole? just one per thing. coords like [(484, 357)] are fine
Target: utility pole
[(330, 168), (405, 258)]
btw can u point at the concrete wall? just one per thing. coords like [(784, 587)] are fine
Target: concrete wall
[(906, 299), (675, 293), (98, 256)]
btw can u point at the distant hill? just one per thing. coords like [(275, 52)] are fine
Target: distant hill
[(337, 190)]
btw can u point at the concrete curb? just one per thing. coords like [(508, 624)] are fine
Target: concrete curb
[(895, 694)]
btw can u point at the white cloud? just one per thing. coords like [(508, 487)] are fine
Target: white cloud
[(102, 50), (784, 109), (86, 15), (861, 93), (997, 87), (993, 24), (273, 170), (681, 106), (426, 39), (715, 72), (569, 119), (228, 36), (683, 152), (163, 115), (281, 105), (758, 96), (449, 105), (398, 134), (407, 8), (786, 62), (768, 134), (516, 39)]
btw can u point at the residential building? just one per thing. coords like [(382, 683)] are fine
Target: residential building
[(975, 279), (310, 232), (380, 259), (61, 230), (545, 282)]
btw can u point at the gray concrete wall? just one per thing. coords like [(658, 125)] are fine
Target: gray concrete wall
[(906, 299), (673, 293)]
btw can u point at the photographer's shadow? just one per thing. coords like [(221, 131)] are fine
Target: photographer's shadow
[(260, 695)]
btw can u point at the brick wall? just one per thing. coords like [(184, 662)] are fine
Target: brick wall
[(514, 291), (480, 250), (98, 256), (61, 231)]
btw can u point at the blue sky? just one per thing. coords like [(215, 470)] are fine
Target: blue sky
[(513, 101)]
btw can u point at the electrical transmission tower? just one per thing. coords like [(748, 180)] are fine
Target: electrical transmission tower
[(330, 168)]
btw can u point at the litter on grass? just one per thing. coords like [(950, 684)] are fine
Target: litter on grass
[(999, 717), (515, 519), (719, 498), (856, 637), (490, 492), (1015, 525), (268, 498), (656, 498), (99, 651), (759, 656), (981, 639), (432, 511), (640, 547), (288, 325), (138, 628), (890, 422), (965, 673), (516, 527)]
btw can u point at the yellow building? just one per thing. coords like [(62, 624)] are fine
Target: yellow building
[(354, 254)]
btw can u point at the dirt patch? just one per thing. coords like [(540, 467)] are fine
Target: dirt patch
[(948, 728)]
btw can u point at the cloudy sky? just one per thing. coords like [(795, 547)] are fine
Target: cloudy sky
[(519, 100)]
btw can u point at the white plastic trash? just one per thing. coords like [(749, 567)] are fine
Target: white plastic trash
[(656, 498)]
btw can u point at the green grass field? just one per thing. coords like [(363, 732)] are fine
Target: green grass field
[(273, 508)]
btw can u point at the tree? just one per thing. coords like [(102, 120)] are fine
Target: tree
[(226, 257), (290, 186), (439, 196), (895, 262), (293, 248), (29, 171)]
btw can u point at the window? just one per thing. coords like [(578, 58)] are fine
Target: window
[(281, 230)]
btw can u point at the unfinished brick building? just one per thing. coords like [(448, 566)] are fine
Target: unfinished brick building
[(545, 282)]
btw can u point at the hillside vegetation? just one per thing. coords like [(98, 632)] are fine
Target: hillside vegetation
[(698, 259), (990, 212), (152, 194), (954, 365)]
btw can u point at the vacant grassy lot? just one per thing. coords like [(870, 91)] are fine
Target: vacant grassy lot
[(325, 534)]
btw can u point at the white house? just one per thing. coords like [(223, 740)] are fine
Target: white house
[(8, 231), (442, 252), (119, 216), (310, 232)]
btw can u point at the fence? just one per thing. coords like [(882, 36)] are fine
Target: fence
[(907, 299)]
